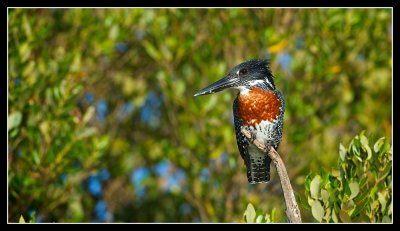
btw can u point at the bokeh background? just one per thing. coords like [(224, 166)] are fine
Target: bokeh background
[(103, 125)]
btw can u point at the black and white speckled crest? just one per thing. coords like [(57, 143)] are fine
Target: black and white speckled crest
[(250, 71)]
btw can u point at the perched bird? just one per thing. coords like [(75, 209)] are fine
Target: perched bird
[(259, 108)]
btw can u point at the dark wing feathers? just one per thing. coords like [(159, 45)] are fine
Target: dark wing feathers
[(241, 140)]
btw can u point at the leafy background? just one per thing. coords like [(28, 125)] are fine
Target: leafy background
[(103, 125)]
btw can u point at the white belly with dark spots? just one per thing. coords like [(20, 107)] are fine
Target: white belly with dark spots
[(264, 131), (256, 155)]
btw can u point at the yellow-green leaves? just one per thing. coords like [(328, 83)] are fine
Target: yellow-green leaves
[(344, 216), (251, 215), (314, 187), (21, 219), (316, 194), (360, 147), (317, 210), (31, 219), (14, 120), (355, 189), (152, 51), (378, 144), (88, 115), (365, 145), (360, 187), (342, 152), (24, 51)]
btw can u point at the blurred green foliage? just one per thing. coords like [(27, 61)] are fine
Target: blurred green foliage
[(103, 125)]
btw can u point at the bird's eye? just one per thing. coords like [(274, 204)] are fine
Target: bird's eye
[(242, 71)]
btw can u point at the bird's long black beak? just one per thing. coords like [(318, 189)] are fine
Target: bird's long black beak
[(220, 85)]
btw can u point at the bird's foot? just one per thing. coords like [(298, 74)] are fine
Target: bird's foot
[(252, 134)]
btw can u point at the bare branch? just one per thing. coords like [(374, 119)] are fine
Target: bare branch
[(292, 209)]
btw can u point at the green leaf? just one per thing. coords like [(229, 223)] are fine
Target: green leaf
[(335, 173), (325, 196), (363, 181), (151, 50), (216, 153), (365, 145), (359, 208), (259, 219), (180, 87), (27, 27), (113, 33), (88, 114), (374, 205), (344, 216), (33, 217), (302, 202), (36, 158), (373, 192), (87, 132), (166, 52), (314, 187), (386, 219), (382, 200), (317, 211), (250, 214), (14, 120), (347, 190), (13, 132), (378, 144), (356, 147), (342, 152), (76, 209), (348, 205), (24, 51), (273, 215), (354, 188), (21, 219), (386, 148), (267, 218), (45, 129), (334, 217), (77, 89), (327, 214), (27, 71), (361, 197), (102, 143), (324, 177), (310, 200), (307, 183)]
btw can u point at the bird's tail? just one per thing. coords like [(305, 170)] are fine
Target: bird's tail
[(258, 167)]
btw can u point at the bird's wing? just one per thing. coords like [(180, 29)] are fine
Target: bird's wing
[(241, 140)]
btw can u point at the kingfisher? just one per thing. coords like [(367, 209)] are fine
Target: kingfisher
[(259, 108)]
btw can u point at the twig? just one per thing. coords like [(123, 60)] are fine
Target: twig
[(292, 209)]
